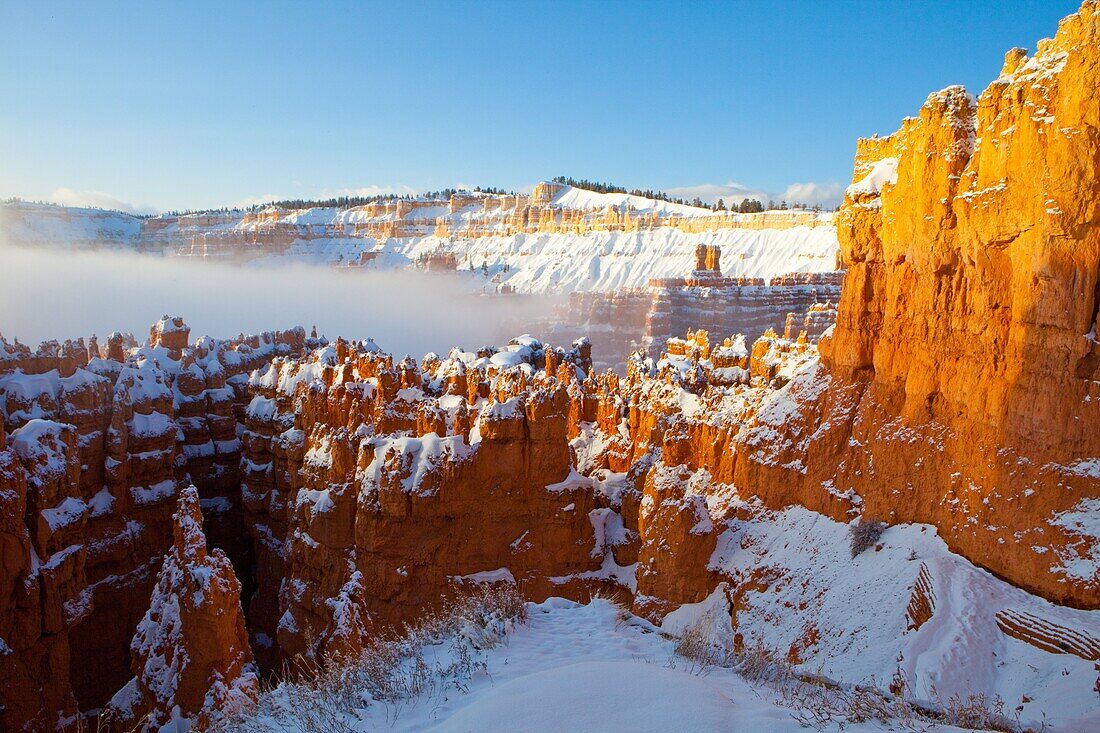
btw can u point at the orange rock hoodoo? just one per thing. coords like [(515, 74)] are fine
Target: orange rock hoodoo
[(191, 657), (97, 441), (959, 388)]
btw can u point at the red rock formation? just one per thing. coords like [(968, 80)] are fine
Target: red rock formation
[(98, 528), (402, 482), (191, 658), (964, 370), (959, 388), (42, 575)]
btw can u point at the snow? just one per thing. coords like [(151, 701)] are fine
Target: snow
[(636, 696), (858, 609), (510, 409), (216, 504), (28, 223), (1081, 557), (546, 263), (416, 459), (154, 494), (539, 263), (101, 504), (571, 197), (883, 172), (68, 512), (500, 575), (319, 501), (571, 482), (261, 408), (580, 668), (40, 442), (152, 425)]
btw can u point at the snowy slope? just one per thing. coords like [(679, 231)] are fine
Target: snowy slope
[(27, 223), (539, 263), (853, 621), (575, 668), (600, 261), (580, 198)]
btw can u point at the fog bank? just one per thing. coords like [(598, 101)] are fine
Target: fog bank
[(58, 294)]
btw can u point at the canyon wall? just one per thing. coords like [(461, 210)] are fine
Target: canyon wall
[(574, 240), (551, 209), (99, 440), (956, 399), (623, 321), (964, 370)]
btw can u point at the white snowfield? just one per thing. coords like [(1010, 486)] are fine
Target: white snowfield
[(594, 667), (70, 226), (536, 263), (574, 667), (550, 264), (607, 261)]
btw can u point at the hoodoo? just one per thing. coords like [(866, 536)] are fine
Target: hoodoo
[(904, 504), (191, 658)]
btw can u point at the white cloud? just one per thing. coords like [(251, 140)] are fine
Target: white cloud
[(266, 198), (825, 194), (711, 192), (98, 200)]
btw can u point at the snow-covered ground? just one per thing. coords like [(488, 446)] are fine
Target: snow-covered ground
[(66, 226), (607, 261), (594, 262), (538, 263), (852, 619), (575, 667)]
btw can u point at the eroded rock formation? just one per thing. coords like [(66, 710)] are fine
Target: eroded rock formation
[(965, 365), (626, 319), (99, 440), (957, 398), (191, 658)]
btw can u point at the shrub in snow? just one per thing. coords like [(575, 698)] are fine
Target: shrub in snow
[(865, 534), (442, 652), (822, 704), (703, 645), (979, 712)]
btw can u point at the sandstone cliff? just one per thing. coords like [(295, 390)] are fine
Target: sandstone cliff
[(965, 367), (957, 398), (191, 658), (99, 440)]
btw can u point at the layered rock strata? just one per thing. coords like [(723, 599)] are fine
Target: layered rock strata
[(624, 320), (100, 438), (191, 660), (964, 371), (956, 398)]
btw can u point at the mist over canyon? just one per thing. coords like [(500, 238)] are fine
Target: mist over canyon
[(55, 290)]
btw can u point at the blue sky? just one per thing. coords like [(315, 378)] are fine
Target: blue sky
[(208, 104)]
